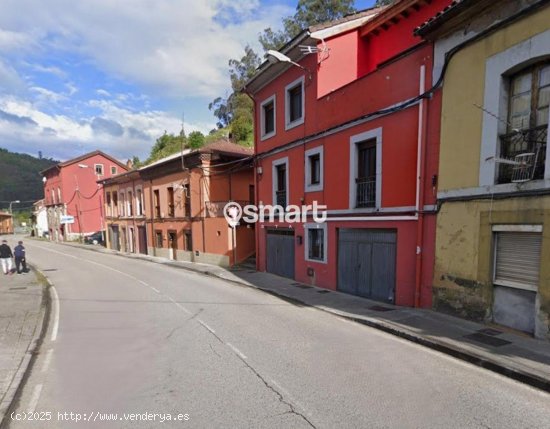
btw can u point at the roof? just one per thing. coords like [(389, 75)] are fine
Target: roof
[(83, 157), (227, 147), (439, 18), (5, 214)]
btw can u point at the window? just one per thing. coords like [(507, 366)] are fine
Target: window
[(113, 169), (294, 104), (130, 204), (98, 169), (108, 203), (156, 196), (316, 237), (365, 185), (158, 238), (187, 201), (314, 169), (524, 143), (53, 197), (280, 181), (188, 241), (139, 202), (59, 195), (171, 206), (115, 204), (122, 200), (267, 118)]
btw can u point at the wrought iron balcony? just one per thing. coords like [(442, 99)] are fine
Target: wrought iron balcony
[(366, 192), (281, 198), (522, 155)]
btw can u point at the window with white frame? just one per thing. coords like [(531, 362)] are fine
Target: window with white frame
[(113, 170), (280, 182), (314, 169), (98, 169), (365, 182), (59, 195), (108, 207), (122, 205), (316, 242), (130, 203), (267, 118), (294, 103), (139, 202)]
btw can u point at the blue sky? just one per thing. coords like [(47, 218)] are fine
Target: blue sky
[(76, 76)]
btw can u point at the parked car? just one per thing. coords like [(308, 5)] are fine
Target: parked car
[(95, 238)]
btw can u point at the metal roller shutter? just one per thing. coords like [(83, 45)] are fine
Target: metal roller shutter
[(517, 259)]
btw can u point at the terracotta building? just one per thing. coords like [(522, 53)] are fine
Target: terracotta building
[(173, 208), (6, 223)]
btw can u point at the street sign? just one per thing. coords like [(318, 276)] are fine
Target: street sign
[(66, 219)]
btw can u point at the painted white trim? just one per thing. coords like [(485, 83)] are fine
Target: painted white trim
[(495, 189), (300, 121), (121, 199), (308, 226), (495, 99), (354, 140), (263, 134), (319, 150), (129, 202), (517, 228), (116, 170), (142, 211), (274, 165)]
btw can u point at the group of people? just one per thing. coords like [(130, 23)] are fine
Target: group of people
[(6, 256)]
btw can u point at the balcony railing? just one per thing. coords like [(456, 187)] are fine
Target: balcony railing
[(215, 208), (366, 192), (522, 155), (280, 197)]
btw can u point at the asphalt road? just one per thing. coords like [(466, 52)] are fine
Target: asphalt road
[(139, 340)]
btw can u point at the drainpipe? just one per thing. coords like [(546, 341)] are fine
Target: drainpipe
[(421, 166), (152, 205)]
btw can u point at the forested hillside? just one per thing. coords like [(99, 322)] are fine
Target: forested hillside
[(20, 178)]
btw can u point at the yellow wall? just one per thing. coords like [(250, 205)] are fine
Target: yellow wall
[(463, 86)]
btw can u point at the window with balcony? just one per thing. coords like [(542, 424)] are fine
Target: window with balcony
[(280, 182), (139, 202), (108, 207), (267, 119), (366, 174), (294, 104), (156, 200), (523, 146), (130, 204), (115, 204), (122, 208), (171, 205)]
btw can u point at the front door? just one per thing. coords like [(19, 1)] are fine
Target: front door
[(280, 253), (115, 239), (173, 245), (366, 263), (142, 237)]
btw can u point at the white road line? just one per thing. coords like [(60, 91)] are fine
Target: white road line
[(183, 308), (171, 299), (35, 398), (155, 289), (206, 326), (47, 360), (144, 283), (236, 350), (55, 326)]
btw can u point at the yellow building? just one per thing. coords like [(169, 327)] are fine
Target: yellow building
[(493, 227)]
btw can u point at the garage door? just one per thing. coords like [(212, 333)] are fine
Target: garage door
[(366, 263), (516, 279), (280, 253)]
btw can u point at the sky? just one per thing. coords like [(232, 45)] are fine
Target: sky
[(114, 75)]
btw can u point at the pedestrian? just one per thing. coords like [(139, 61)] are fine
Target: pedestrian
[(5, 257), (20, 257)]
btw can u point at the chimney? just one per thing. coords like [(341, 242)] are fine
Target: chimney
[(129, 164)]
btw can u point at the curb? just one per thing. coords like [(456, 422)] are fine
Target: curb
[(23, 371), (440, 346)]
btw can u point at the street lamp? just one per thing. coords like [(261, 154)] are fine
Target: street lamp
[(11, 202)]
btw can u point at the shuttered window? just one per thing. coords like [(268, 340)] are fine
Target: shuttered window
[(517, 259)]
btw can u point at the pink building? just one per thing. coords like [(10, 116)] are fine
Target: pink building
[(74, 198)]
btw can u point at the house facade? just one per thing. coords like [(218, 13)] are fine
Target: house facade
[(40, 214), (342, 121), (494, 184), (181, 200), (73, 197)]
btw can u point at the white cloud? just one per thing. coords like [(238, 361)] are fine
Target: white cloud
[(103, 92)]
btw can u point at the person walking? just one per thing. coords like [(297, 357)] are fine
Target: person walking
[(20, 257), (5, 257)]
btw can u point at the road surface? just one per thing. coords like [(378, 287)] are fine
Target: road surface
[(133, 343)]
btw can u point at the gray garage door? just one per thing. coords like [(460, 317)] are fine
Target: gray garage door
[(366, 263), (280, 253)]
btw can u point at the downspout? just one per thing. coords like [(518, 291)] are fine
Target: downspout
[(421, 165)]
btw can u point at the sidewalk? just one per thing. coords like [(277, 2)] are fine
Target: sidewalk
[(512, 354), (22, 312)]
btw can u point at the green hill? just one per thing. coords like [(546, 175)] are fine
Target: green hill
[(20, 179)]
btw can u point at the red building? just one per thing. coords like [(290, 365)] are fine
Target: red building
[(74, 198), (340, 121)]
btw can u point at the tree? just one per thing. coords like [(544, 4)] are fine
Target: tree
[(195, 140), (167, 144), (380, 3)]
